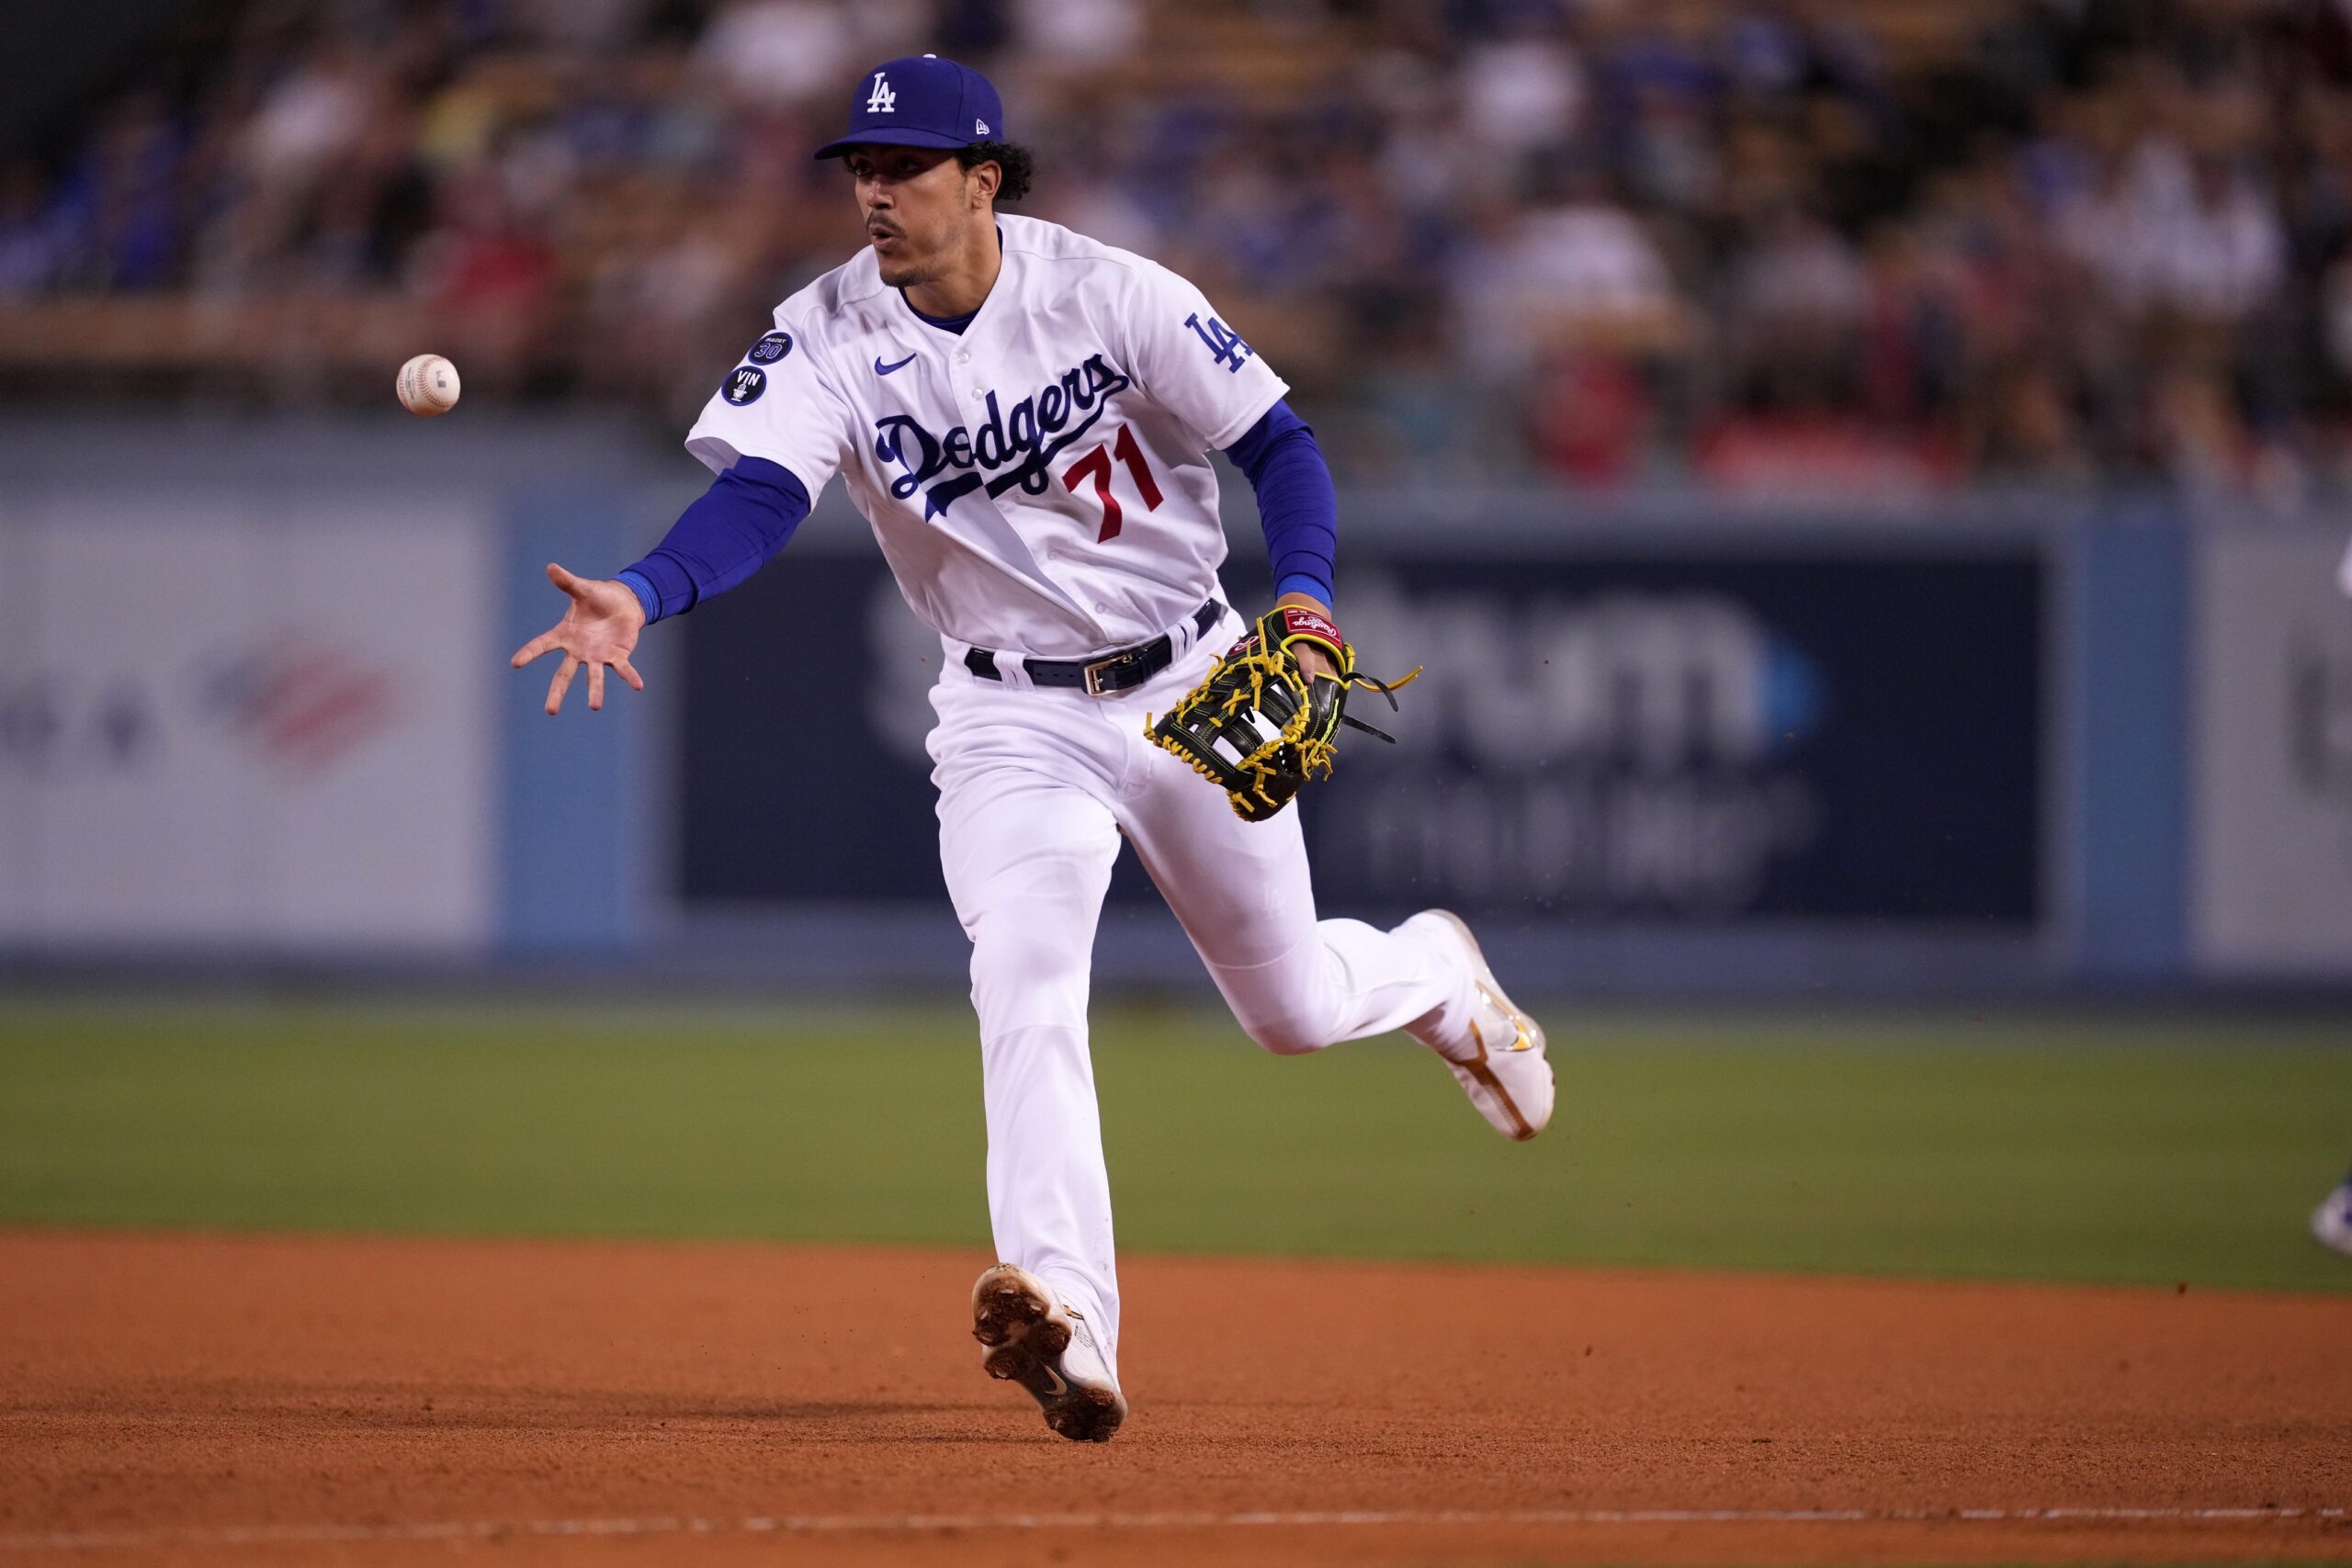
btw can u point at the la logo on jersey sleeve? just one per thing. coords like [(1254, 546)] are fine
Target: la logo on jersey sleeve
[(1225, 346)]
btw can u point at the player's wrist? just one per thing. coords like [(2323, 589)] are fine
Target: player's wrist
[(1300, 589), (1299, 620), (648, 597)]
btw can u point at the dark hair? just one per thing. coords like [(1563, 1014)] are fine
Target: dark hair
[(1019, 167)]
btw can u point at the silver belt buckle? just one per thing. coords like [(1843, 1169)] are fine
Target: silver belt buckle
[(1094, 671)]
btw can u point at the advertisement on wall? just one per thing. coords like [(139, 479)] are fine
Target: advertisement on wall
[(225, 723), (2271, 784), (1836, 737)]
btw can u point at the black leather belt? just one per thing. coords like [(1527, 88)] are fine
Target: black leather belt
[(1120, 672)]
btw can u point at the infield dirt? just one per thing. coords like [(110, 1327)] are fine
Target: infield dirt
[(272, 1399)]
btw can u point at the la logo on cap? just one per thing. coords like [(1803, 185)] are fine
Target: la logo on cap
[(882, 100)]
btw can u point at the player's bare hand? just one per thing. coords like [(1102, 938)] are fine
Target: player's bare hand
[(599, 630)]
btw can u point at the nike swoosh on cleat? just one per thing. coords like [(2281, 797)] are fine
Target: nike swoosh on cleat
[(882, 369), (1059, 1387)]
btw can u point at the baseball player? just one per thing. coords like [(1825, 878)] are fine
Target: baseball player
[(1025, 417)]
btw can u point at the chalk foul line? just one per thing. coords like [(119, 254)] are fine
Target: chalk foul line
[(929, 1524)]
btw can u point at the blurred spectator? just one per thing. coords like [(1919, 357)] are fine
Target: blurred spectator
[(1520, 93), (1579, 272), (1079, 35), (2163, 231), (1797, 298), (781, 51), (28, 250), (1592, 418), (309, 118)]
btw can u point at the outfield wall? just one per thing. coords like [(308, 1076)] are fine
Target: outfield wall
[(253, 704)]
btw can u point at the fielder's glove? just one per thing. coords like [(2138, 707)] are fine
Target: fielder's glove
[(1259, 728)]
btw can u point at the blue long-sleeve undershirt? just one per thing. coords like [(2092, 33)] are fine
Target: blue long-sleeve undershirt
[(729, 532), (1297, 507), (750, 512)]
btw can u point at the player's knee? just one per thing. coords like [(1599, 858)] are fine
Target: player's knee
[(1015, 962)]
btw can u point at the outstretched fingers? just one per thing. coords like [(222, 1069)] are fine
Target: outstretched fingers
[(561, 683), (627, 672), (547, 641), (595, 686)]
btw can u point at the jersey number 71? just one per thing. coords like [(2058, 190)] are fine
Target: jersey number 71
[(1096, 465)]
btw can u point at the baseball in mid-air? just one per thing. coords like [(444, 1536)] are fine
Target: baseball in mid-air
[(428, 385)]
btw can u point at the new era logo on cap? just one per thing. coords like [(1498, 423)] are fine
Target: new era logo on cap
[(920, 101)]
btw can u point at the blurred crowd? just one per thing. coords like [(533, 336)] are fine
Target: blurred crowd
[(1755, 244)]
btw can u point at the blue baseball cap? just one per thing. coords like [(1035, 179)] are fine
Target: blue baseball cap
[(921, 100)]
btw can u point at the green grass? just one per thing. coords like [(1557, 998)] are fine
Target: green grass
[(2017, 1147)]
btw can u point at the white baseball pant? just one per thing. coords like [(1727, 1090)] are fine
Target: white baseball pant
[(1035, 787)]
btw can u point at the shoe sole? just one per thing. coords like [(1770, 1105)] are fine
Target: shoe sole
[(1521, 1129), (1024, 1335)]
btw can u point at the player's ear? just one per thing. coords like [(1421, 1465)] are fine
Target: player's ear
[(985, 180)]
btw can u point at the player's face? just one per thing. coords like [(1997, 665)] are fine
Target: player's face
[(919, 204)]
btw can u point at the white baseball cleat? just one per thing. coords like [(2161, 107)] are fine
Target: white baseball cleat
[(1028, 1337), (2332, 1221), (1499, 1061)]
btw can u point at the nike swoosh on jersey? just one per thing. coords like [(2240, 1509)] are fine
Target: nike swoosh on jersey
[(882, 369)]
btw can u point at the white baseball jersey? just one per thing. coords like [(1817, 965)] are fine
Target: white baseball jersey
[(1040, 482)]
